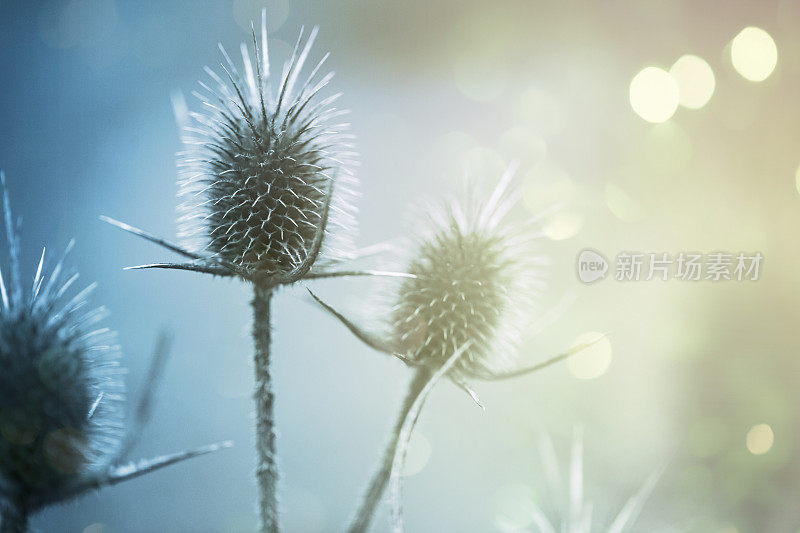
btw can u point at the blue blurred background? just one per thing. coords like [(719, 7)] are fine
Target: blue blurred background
[(436, 89)]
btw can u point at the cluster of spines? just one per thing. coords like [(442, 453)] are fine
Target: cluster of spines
[(475, 279), (259, 167), (61, 388)]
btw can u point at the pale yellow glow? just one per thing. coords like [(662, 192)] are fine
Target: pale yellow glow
[(418, 454), (667, 148), (479, 77), (454, 145), (695, 81), (760, 439), (591, 362), (514, 507), (754, 54), (797, 179), (654, 94), (563, 225), (483, 161), (546, 185), (623, 205)]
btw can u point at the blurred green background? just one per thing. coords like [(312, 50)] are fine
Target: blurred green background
[(702, 376)]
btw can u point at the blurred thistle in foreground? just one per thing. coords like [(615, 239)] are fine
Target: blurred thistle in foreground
[(471, 285), (266, 187), (569, 508), (62, 420)]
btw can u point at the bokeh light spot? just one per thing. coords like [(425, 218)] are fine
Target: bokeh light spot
[(65, 450), (563, 225), (695, 81), (654, 94), (797, 179), (304, 511), (514, 507), (479, 77), (418, 454), (622, 204), (754, 54), (77, 22), (541, 111), (591, 362), (482, 161), (246, 12), (547, 185), (668, 149), (522, 141), (760, 439), (17, 430)]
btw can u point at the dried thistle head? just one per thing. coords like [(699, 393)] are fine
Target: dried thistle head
[(61, 392), (475, 280), (265, 165)]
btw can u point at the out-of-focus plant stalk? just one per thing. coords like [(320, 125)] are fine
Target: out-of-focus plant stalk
[(380, 478)]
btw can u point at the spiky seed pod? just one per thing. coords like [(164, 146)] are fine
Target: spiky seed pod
[(469, 290), (61, 392), (62, 424), (475, 281), (260, 163)]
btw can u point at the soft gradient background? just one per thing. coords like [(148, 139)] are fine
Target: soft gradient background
[(437, 88)]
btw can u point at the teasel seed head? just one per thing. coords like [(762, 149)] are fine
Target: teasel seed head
[(475, 281), (265, 166), (61, 389)]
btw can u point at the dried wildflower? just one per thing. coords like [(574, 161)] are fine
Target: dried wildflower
[(475, 281), (568, 509), (469, 291), (265, 172), (62, 397), (261, 167), (266, 185)]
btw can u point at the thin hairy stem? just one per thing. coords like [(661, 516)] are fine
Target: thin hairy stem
[(267, 468), (380, 479), (407, 427)]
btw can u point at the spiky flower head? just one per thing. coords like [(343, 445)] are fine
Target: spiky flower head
[(265, 166), (475, 281), (61, 392)]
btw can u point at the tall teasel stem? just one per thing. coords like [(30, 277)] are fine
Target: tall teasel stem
[(267, 468), (393, 463), (469, 291), (380, 479), (265, 177)]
